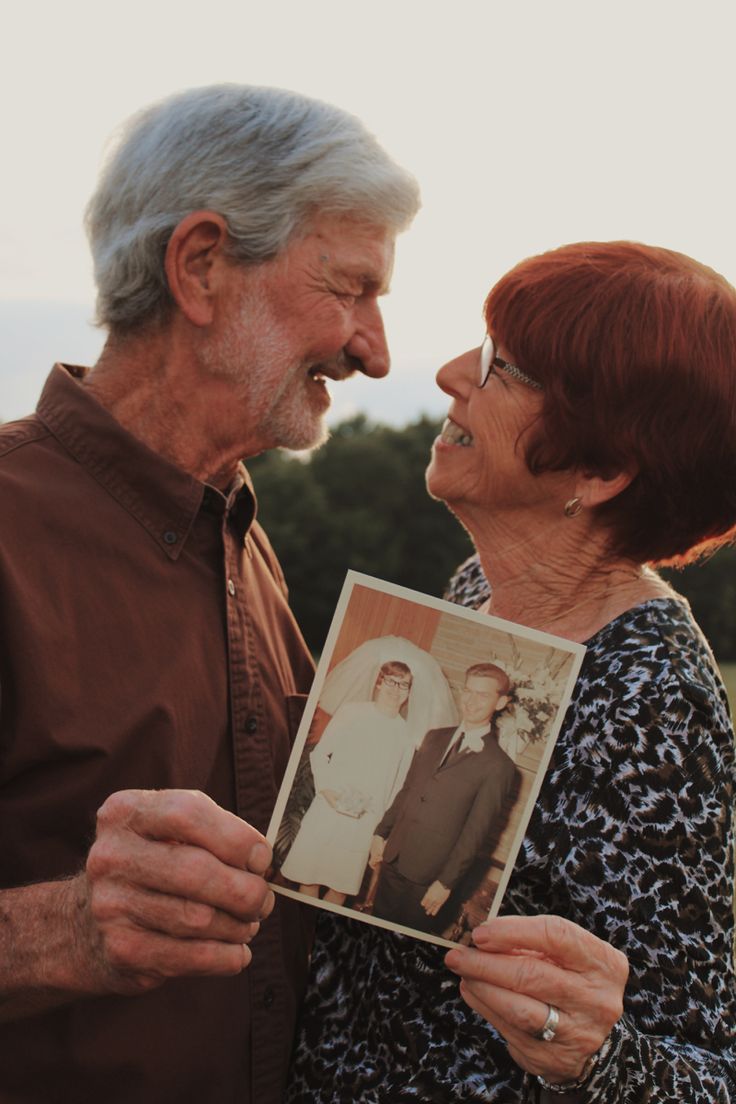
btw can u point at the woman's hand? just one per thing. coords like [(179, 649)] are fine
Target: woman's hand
[(521, 966)]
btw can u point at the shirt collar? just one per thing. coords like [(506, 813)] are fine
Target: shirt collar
[(163, 498), (476, 731)]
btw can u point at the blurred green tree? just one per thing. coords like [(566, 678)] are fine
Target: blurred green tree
[(358, 502), (710, 588)]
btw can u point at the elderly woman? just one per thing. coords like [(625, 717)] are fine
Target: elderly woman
[(593, 434)]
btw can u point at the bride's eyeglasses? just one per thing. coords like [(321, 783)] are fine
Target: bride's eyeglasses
[(397, 684)]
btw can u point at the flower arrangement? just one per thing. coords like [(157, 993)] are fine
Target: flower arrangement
[(534, 701)]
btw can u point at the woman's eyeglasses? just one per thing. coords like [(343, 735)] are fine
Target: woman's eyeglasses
[(396, 684), (489, 360)]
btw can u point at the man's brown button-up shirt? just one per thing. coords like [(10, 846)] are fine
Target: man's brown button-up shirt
[(145, 642)]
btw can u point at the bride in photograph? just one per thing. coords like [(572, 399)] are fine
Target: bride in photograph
[(361, 759)]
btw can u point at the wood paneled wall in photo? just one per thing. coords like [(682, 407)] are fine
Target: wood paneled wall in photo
[(372, 613)]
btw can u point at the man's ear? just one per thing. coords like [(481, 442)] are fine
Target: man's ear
[(502, 702), (195, 257), (594, 490)]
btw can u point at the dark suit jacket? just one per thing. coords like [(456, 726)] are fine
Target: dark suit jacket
[(442, 817)]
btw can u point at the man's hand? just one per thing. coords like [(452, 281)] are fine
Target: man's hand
[(434, 898), (173, 886), (375, 856)]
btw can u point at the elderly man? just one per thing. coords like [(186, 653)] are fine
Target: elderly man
[(443, 816), (149, 665)]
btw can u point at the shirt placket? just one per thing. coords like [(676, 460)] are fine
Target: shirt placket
[(246, 704), (254, 802)]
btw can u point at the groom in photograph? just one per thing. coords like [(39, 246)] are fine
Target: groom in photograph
[(444, 815)]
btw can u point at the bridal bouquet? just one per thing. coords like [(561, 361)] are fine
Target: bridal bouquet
[(351, 802)]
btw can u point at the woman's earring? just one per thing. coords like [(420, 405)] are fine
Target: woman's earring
[(573, 507)]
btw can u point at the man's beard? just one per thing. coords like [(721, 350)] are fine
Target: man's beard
[(249, 352)]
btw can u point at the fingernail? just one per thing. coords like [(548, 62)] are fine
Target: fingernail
[(255, 927), (453, 960), (267, 906), (259, 858), (247, 955)]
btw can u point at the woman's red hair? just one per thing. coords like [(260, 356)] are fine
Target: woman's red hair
[(635, 347)]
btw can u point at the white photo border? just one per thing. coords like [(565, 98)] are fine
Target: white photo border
[(354, 579)]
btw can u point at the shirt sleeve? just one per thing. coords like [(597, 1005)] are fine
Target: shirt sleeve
[(657, 794)]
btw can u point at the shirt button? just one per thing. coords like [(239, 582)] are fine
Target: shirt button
[(170, 537), (251, 725), (269, 996), (231, 588)]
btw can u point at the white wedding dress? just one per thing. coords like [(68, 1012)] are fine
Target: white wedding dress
[(363, 756)]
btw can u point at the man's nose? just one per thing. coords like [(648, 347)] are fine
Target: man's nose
[(368, 343)]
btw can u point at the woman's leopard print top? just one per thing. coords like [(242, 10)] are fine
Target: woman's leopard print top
[(631, 838)]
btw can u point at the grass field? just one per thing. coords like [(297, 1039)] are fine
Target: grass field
[(728, 671)]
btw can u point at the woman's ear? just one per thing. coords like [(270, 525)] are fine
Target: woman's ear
[(594, 490), (195, 257)]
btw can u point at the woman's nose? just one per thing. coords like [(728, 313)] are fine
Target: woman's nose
[(459, 375)]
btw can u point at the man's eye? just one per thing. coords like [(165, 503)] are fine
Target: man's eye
[(341, 294)]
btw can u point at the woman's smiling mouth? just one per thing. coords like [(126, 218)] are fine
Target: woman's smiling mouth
[(453, 434)]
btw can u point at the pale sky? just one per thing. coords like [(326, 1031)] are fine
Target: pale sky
[(528, 124)]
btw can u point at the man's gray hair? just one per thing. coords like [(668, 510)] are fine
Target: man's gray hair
[(265, 159)]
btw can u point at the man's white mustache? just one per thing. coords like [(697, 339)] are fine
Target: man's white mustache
[(339, 367)]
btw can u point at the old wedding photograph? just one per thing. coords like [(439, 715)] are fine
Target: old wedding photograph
[(419, 757)]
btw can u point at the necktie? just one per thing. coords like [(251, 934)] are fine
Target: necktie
[(454, 750)]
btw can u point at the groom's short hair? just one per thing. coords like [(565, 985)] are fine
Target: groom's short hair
[(490, 670)]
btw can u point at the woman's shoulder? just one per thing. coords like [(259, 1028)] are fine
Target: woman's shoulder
[(353, 709), (649, 691), (657, 648), (353, 712)]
